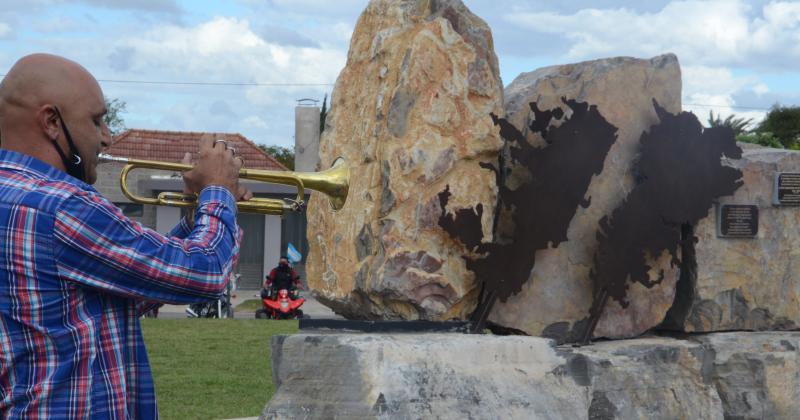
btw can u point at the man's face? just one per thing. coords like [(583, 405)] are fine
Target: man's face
[(84, 120), (284, 261)]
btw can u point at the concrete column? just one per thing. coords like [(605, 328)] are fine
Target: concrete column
[(272, 242), (306, 138)]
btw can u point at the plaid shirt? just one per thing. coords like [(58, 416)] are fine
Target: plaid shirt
[(75, 275)]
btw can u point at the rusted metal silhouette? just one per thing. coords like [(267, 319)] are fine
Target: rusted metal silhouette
[(542, 207), (679, 174)]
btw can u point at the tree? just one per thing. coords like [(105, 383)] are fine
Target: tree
[(763, 139), (323, 114), (284, 155), (738, 125), (113, 118), (784, 123)]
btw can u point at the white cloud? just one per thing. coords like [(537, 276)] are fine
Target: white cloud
[(227, 49), (710, 38), (167, 6), (5, 30), (256, 122), (714, 88), (718, 32), (760, 89)]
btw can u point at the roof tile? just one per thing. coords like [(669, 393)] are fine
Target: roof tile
[(170, 146)]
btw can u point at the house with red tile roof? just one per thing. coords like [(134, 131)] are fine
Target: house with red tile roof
[(170, 146), (265, 238)]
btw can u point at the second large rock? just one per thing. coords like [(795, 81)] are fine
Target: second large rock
[(556, 299)]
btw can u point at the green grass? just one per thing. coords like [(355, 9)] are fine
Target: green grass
[(212, 368), (250, 305)]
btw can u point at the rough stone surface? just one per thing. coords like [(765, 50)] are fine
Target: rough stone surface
[(756, 374), (746, 284), (721, 375), (556, 299), (411, 114), (728, 375)]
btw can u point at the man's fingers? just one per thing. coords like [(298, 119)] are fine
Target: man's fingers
[(206, 142), (238, 161), (220, 144), (244, 194)]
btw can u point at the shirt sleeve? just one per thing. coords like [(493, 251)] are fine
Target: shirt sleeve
[(181, 230), (102, 249)]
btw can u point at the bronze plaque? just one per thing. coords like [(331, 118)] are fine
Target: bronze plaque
[(787, 189), (737, 221)]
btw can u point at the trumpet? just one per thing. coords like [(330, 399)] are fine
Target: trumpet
[(334, 183)]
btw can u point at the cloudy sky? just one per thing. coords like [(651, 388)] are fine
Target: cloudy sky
[(255, 58)]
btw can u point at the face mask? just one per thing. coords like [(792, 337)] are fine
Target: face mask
[(74, 166)]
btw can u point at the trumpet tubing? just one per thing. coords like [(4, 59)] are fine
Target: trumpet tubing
[(334, 183)]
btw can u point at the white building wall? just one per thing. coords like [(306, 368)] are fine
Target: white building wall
[(167, 218), (306, 138)]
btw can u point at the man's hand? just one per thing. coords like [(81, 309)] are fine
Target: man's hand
[(216, 165)]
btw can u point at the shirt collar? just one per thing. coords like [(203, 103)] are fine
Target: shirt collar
[(24, 163)]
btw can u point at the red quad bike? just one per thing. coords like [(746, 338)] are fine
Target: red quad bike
[(281, 306)]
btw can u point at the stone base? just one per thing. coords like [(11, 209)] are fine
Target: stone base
[(722, 375)]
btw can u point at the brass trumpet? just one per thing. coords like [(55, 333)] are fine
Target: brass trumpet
[(334, 183)]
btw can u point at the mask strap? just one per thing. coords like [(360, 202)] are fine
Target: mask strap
[(75, 167)]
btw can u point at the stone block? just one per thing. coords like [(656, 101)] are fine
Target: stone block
[(746, 283), (453, 376)]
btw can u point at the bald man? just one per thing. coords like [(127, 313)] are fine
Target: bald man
[(75, 273)]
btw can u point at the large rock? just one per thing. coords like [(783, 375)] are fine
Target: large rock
[(751, 284), (556, 299), (454, 376), (411, 114)]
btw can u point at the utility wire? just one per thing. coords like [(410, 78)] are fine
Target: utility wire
[(160, 82), (729, 106), (146, 82)]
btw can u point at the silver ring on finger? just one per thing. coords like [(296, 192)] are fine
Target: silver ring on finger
[(233, 150), (221, 141)]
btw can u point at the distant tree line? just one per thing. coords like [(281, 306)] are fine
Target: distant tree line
[(284, 155), (113, 118), (779, 129)]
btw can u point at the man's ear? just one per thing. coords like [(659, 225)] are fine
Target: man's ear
[(48, 121)]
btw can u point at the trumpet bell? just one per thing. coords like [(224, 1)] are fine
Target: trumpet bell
[(334, 182)]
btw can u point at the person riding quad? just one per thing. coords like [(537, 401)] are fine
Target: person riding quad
[(282, 277)]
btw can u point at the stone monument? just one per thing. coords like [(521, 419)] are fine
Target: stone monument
[(566, 183)]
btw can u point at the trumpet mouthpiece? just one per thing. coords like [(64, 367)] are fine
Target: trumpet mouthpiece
[(106, 158)]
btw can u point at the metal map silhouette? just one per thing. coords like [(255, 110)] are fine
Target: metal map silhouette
[(678, 176)]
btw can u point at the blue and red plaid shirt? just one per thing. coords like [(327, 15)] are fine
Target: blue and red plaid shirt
[(75, 275)]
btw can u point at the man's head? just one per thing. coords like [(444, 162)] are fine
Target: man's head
[(45, 100), (283, 262)]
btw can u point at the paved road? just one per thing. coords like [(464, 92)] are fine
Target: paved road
[(311, 307)]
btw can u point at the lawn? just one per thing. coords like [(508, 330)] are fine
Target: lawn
[(250, 305), (212, 368)]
